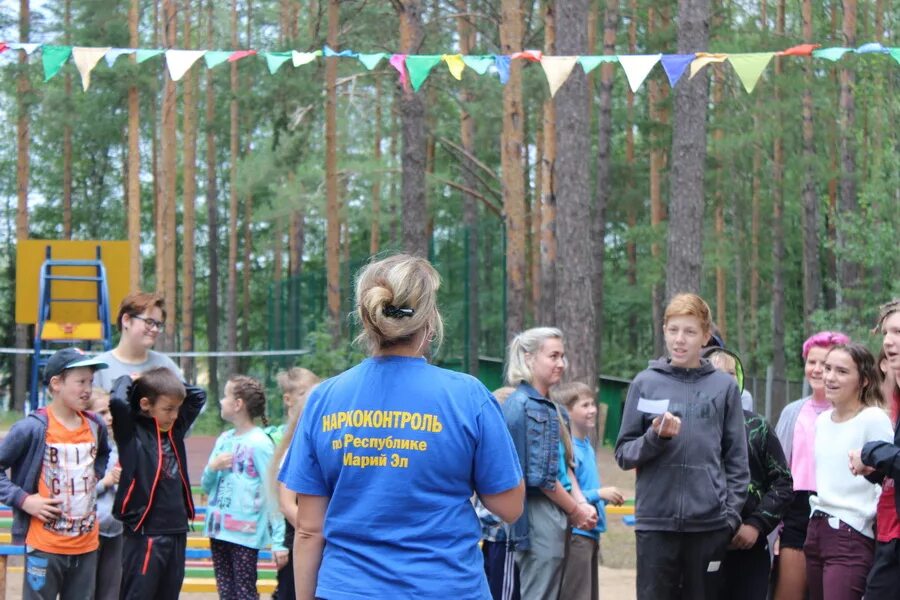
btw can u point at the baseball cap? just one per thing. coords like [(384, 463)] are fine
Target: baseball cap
[(69, 358)]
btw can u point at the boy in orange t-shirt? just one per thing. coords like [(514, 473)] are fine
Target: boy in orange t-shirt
[(56, 455)]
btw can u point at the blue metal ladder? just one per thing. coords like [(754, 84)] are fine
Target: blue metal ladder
[(48, 334)]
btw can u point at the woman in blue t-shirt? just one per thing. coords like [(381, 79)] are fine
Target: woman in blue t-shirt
[(388, 454)]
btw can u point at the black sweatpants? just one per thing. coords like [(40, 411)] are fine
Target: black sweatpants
[(674, 566), (884, 578), (746, 573), (152, 566)]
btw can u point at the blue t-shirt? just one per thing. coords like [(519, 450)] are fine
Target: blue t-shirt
[(562, 469), (589, 480), (399, 446)]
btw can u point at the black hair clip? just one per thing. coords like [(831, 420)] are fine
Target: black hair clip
[(397, 313)]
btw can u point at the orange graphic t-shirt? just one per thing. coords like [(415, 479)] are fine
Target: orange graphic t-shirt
[(67, 473)]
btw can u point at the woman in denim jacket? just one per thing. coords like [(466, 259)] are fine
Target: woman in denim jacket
[(536, 361)]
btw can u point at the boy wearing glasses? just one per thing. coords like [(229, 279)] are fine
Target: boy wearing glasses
[(142, 317)]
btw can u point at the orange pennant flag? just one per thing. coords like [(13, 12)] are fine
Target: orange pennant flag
[(531, 55), (801, 50)]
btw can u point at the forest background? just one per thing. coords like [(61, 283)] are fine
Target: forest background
[(250, 199)]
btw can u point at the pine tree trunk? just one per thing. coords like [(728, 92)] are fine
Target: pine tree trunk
[(575, 269), (848, 268), (23, 174), (547, 308), (234, 149), (685, 243), (718, 139), (246, 274), (67, 133), (511, 160), (658, 94), (190, 196), (632, 207), (212, 212), (414, 160), (778, 308), (333, 210), (375, 222), (466, 33), (812, 274), (169, 173), (134, 162)]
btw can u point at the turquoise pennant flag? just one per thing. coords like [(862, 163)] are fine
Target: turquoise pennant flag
[(589, 63), (274, 60), (54, 57), (214, 58), (419, 66), (144, 54), (370, 61), (479, 64)]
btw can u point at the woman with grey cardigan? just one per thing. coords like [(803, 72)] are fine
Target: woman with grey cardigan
[(797, 433)]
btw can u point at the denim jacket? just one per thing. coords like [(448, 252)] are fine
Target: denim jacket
[(534, 427)]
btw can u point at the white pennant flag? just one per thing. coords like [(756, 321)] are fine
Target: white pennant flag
[(637, 67), (557, 69), (28, 48), (86, 59), (179, 61), (302, 58)]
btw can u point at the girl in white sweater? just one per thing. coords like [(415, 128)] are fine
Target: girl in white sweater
[(839, 543)]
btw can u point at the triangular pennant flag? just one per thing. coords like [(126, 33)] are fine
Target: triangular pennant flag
[(371, 60), (274, 60), (703, 59), (557, 69), (398, 61), (895, 52), (872, 48), (179, 61), (750, 66), (115, 53), (239, 54), (637, 67), (28, 48), (143, 54), (298, 59), (455, 64), (3, 47), (674, 66), (589, 63), (801, 50), (214, 58), (53, 58), (832, 54), (419, 66), (328, 52), (501, 62), (479, 64), (86, 59), (529, 55)]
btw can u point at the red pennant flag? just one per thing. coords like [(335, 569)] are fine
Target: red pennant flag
[(3, 47), (241, 54), (801, 50), (531, 55)]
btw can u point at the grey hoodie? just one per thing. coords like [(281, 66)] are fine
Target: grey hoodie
[(697, 480)]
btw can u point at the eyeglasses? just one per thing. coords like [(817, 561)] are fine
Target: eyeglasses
[(151, 323)]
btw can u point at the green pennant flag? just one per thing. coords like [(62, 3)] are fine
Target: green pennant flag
[(143, 54), (275, 59), (54, 57), (215, 58), (589, 63), (419, 66), (895, 52), (371, 60), (749, 67), (479, 64), (832, 54)]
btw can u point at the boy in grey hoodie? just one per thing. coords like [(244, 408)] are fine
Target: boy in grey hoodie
[(683, 430)]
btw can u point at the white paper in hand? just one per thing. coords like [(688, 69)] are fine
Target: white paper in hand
[(653, 407)]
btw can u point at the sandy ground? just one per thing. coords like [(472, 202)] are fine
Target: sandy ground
[(617, 572)]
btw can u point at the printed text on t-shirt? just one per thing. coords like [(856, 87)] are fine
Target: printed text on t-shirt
[(379, 419)]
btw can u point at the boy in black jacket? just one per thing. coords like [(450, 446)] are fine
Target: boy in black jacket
[(151, 417), (748, 563)]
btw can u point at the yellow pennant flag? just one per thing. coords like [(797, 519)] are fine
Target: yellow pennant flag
[(455, 64), (557, 69), (86, 59), (703, 59)]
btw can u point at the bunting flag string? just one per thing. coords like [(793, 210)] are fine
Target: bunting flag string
[(414, 69)]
